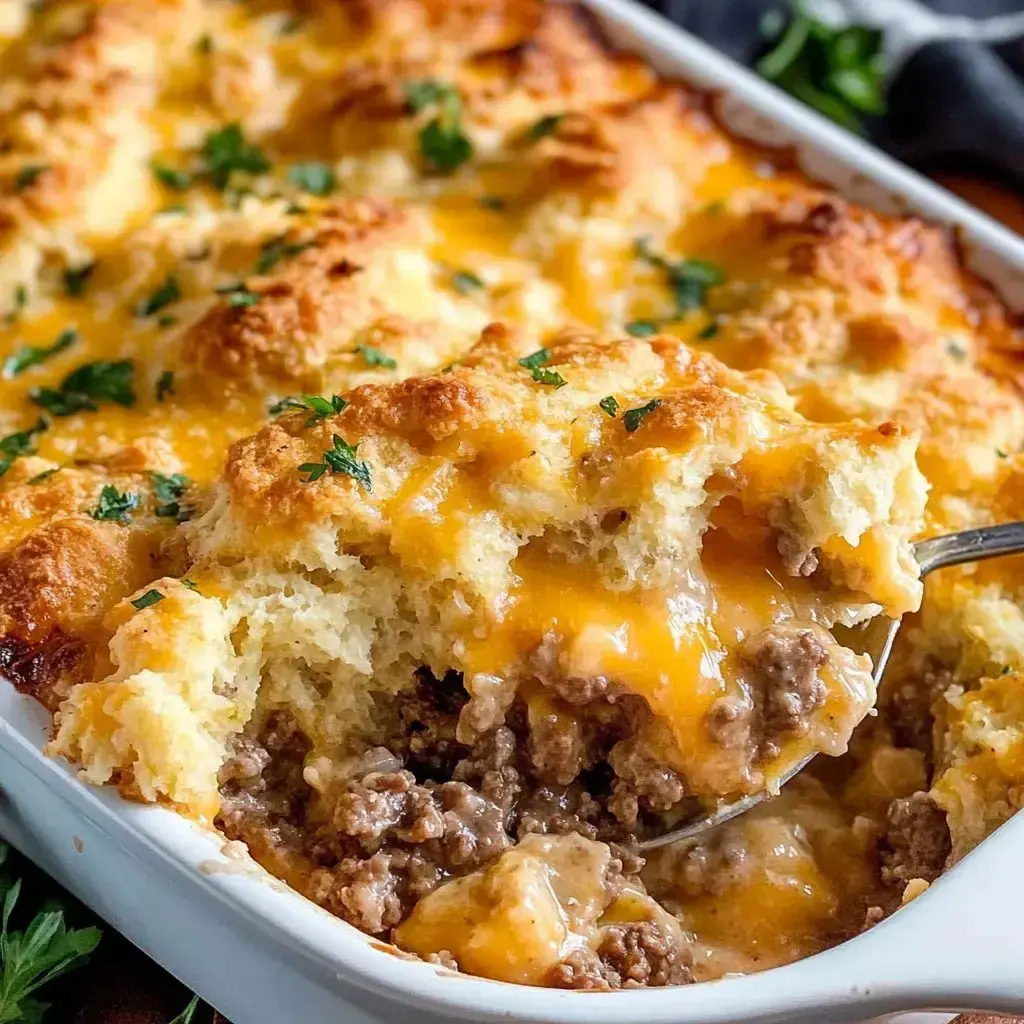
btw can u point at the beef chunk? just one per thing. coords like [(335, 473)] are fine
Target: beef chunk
[(917, 843)]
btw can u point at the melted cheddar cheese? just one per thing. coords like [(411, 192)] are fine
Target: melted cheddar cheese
[(347, 341)]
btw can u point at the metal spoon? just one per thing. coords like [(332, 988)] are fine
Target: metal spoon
[(934, 553)]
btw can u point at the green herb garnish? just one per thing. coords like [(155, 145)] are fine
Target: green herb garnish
[(189, 584), (226, 151), (168, 490), (114, 506), (316, 178), (443, 144), (642, 328), (172, 177), (76, 278), (709, 330), (20, 299), (495, 203), (32, 355), (23, 442), (632, 418), (28, 175), (609, 405), (341, 458), (204, 44), (465, 282), (45, 475), (374, 357), (837, 71), (164, 385), (275, 250), (535, 361), (238, 294), (544, 127), (148, 599), (689, 279), (167, 292), (321, 407), (32, 958), (101, 381)]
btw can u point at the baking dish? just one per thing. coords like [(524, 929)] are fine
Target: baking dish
[(329, 970)]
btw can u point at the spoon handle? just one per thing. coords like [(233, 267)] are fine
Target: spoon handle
[(969, 546)]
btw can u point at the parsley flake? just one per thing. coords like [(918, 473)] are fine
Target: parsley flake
[(204, 44), (276, 249), (76, 278), (19, 302), (443, 144), (315, 178), (23, 442), (101, 381), (190, 584), (544, 127), (465, 282), (321, 407), (148, 599), (114, 506), (172, 177), (642, 328), (374, 357), (167, 292), (164, 385), (32, 355), (632, 418), (28, 176), (535, 364), (238, 295), (341, 458), (226, 151), (609, 405), (689, 279), (45, 475), (494, 203), (956, 350), (168, 490), (709, 330)]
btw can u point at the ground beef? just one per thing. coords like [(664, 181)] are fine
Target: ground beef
[(387, 802), (628, 956), (917, 842), (576, 690), (797, 558), (908, 707)]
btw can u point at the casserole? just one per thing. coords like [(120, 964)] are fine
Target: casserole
[(933, 206)]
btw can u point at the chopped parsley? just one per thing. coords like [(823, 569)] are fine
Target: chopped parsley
[(609, 405), (290, 26), (494, 203), (204, 44), (114, 506), (466, 282), (341, 458), (76, 278), (632, 418), (167, 292), (45, 475), (1001, 454), (164, 385), (148, 599), (238, 294), (32, 355), (374, 357), (101, 381), (172, 177), (28, 176), (315, 178), (168, 490), (21, 443), (443, 144), (837, 71), (642, 328), (275, 250), (956, 349), (226, 152), (709, 330), (535, 364), (190, 584), (689, 279), (544, 127), (20, 301), (321, 407)]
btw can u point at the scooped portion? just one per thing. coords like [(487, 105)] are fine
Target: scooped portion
[(580, 591)]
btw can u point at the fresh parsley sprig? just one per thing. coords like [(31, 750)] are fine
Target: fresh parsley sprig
[(113, 506), (227, 151), (837, 71), (276, 249), (340, 459), (32, 958), (321, 407), (689, 279), (373, 356), (168, 491)]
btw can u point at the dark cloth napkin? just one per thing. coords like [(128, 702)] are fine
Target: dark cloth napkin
[(954, 102)]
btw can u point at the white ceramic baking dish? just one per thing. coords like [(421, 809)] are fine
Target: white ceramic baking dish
[(263, 955)]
